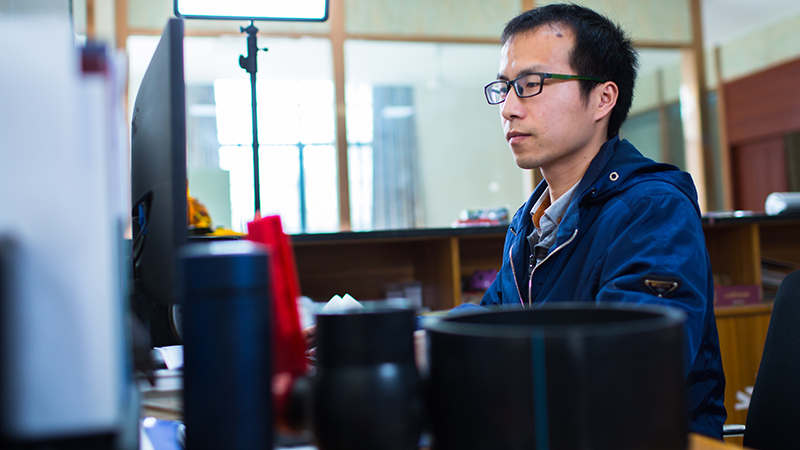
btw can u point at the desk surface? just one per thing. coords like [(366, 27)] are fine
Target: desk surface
[(165, 404), (699, 442)]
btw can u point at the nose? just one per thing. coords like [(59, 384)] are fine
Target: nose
[(512, 107)]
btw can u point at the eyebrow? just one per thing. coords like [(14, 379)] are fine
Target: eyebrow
[(527, 71)]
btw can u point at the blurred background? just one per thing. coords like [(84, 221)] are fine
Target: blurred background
[(375, 119)]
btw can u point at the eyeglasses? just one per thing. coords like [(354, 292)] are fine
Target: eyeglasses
[(525, 86)]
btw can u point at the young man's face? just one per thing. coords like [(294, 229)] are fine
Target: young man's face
[(553, 130)]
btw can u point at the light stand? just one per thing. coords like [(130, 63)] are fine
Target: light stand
[(250, 64), (305, 11)]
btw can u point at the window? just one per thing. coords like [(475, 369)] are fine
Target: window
[(423, 145), (433, 147), (296, 127), (297, 154)]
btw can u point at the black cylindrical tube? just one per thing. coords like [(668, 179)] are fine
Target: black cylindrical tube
[(367, 391), (227, 353)]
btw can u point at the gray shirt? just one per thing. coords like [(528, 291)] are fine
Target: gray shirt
[(546, 218)]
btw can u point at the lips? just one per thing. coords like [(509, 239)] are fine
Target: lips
[(514, 137)]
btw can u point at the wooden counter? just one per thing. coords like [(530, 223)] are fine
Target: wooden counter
[(364, 263)]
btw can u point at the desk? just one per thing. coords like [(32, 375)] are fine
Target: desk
[(164, 402), (696, 441), (700, 442)]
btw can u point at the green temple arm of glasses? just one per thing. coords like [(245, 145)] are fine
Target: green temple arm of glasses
[(561, 76)]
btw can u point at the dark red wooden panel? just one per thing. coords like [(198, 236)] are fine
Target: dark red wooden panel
[(766, 104), (759, 169)]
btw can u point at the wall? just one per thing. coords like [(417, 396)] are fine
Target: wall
[(747, 54), (645, 20), (10, 7), (761, 49), (464, 18)]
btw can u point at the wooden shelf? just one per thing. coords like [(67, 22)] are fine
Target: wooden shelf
[(735, 251), (364, 264)]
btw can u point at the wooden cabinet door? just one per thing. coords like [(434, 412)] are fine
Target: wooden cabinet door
[(759, 170), (742, 332)]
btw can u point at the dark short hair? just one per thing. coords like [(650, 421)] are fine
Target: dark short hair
[(602, 50)]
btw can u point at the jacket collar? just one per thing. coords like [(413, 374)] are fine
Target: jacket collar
[(615, 156), (598, 162)]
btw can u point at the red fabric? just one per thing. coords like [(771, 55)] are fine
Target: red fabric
[(288, 347)]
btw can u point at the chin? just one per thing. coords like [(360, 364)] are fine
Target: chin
[(527, 164), (527, 158)]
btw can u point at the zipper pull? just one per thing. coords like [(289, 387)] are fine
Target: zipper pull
[(531, 264)]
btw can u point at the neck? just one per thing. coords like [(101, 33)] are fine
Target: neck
[(562, 175)]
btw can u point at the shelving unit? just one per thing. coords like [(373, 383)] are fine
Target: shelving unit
[(364, 263), (736, 246)]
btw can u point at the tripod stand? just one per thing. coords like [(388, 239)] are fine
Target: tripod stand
[(250, 64)]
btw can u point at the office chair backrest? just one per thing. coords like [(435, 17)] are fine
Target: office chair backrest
[(774, 414)]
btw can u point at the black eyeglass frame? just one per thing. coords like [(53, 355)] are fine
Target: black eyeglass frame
[(543, 75)]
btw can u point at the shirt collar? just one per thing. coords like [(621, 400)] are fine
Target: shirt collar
[(554, 211)]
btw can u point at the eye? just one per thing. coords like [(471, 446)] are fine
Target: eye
[(528, 85), (531, 81)]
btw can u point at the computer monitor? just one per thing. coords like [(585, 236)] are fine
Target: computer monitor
[(158, 183)]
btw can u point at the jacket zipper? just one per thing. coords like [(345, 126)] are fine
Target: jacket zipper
[(530, 280), (514, 274)]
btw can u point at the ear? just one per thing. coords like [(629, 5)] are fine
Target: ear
[(606, 95)]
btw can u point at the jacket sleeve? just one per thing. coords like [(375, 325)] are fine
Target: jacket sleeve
[(661, 238), (494, 295)]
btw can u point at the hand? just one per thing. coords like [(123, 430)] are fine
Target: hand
[(420, 350), (309, 334)]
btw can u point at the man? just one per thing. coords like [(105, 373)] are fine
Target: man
[(606, 224)]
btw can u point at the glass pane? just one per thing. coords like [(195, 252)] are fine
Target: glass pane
[(434, 145), (358, 98), (654, 122), (322, 204), (234, 115), (359, 166), (278, 112), (280, 179), (643, 130), (238, 161), (295, 103), (317, 123), (675, 143)]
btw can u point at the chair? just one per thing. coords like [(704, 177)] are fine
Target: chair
[(773, 417)]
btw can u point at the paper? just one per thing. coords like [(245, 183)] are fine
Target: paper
[(172, 355), (339, 304)]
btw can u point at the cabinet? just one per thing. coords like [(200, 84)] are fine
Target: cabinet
[(736, 247), (363, 263)]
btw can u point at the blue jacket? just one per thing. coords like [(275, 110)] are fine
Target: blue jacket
[(628, 217)]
